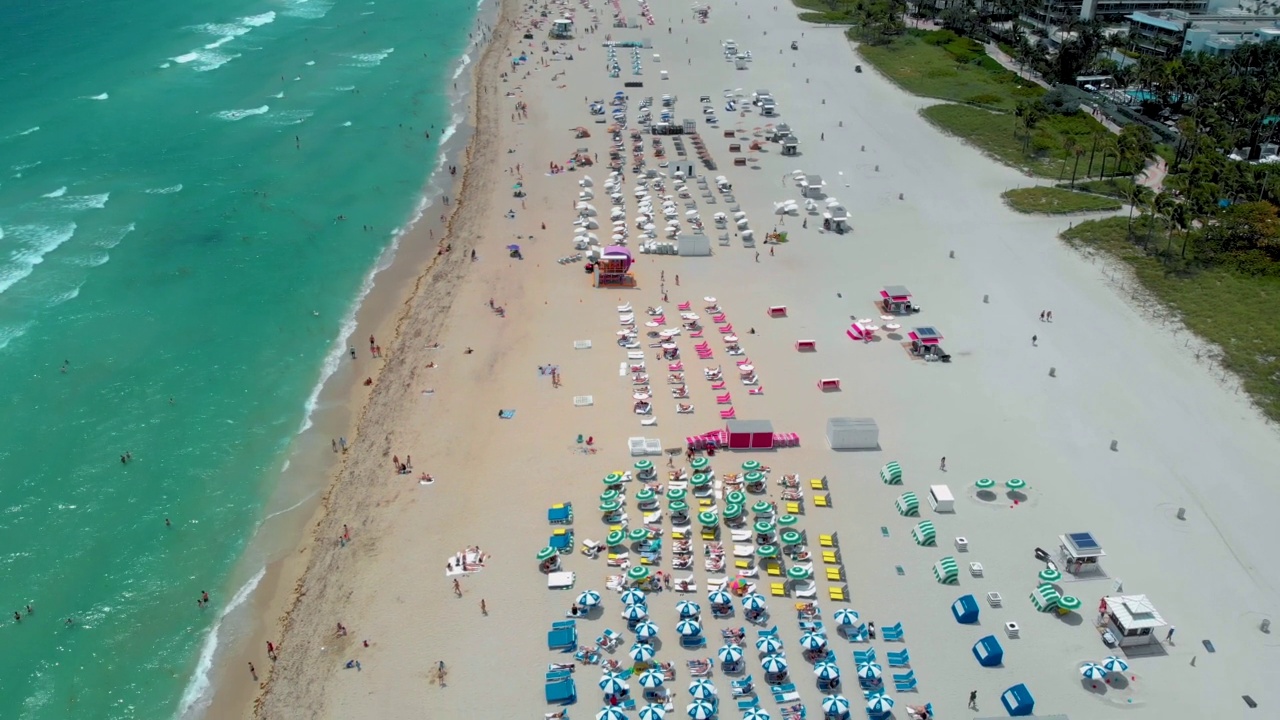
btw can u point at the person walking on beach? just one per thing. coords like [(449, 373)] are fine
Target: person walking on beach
[(484, 610), (457, 588), (1168, 637), (1042, 316), (271, 650), (973, 699), (677, 281), (254, 672), (942, 465), (1034, 338), (334, 443)]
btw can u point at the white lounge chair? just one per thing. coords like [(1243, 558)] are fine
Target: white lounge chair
[(743, 551), (624, 308), (651, 420)]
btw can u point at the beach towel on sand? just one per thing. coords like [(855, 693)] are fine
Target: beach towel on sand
[(506, 414)]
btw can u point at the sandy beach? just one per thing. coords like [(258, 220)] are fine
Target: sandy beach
[(981, 274)]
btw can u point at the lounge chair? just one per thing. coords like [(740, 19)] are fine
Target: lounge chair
[(861, 657), (905, 686), (564, 692), (893, 632), (624, 308), (806, 590), (778, 589), (823, 500), (727, 414), (839, 593), (787, 696), (649, 421), (756, 390), (684, 408), (747, 703), (828, 540), (901, 658)]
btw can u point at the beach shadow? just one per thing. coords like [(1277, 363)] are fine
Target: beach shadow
[(986, 496), (1154, 649), (877, 448), (1093, 687), (896, 337), (1015, 496), (1072, 618), (1118, 681)]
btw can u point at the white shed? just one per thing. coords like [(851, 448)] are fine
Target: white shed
[(693, 245), (845, 433)]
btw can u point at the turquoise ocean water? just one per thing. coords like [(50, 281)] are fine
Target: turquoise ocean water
[(162, 230)]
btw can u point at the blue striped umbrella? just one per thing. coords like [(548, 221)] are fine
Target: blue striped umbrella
[(701, 710), (1111, 663), (835, 705), (646, 630), (611, 713), (845, 616), (1093, 671), (652, 679), (688, 609), (730, 654), (813, 641), (755, 713), (612, 684), (774, 664), (635, 612), (652, 712), (590, 598), (719, 597), (688, 628), (870, 671), (642, 652), (633, 597), (880, 704), (826, 671), (769, 645), (702, 689), (754, 601)]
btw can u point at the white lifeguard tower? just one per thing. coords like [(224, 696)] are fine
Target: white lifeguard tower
[(562, 29)]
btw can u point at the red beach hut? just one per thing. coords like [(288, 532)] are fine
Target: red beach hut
[(750, 434)]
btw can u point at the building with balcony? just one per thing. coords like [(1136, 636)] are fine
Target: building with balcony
[(1171, 32), (1051, 15)]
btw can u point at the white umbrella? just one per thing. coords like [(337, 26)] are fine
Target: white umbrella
[(646, 630), (845, 616), (730, 654), (701, 710), (813, 641), (688, 628), (688, 609), (1093, 671), (702, 689), (870, 671), (773, 663), (826, 671), (613, 684), (755, 713), (835, 705), (590, 598), (652, 678), (632, 596), (652, 712), (880, 704), (642, 652), (754, 601), (635, 612), (618, 236), (611, 713), (1111, 663)]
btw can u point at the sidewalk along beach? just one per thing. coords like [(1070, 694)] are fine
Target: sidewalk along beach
[(430, 577)]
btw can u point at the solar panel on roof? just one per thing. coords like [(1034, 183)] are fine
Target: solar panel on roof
[(1084, 541)]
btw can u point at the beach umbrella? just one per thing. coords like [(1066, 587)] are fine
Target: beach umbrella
[(632, 613), (612, 479), (652, 712), (688, 609), (788, 520), (615, 538), (608, 506), (769, 645), (732, 511), (708, 517), (813, 641), (613, 684), (700, 710), (754, 601), (632, 596), (736, 497), (845, 616), (1069, 602), (637, 534), (791, 537), (755, 476), (643, 652), (700, 463), (774, 663), (689, 628), (676, 494), (589, 598), (730, 654), (870, 671), (762, 507), (1111, 663), (699, 479), (767, 551), (1093, 671), (678, 506), (795, 572), (1015, 483), (646, 630), (702, 689), (708, 298), (750, 465), (719, 597), (826, 671), (611, 713), (650, 678), (835, 705), (755, 713), (764, 527), (880, 704), (645, 495), (1050, 575), (637, 573), (985, 484), (644, 465), (609, 495), (546, 553)]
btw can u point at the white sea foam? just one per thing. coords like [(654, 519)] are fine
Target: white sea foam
[(449, 132), (113, 239), (279, 94), (165, 65), (291, 117), (207, 57), (63, 297), (80, 202), (56, 193), (344, 88), (33, 243), (463, 62), (194, 697), (346, 124), (307, 9), (28, 131), (9, 333), (165, 190), (234, 115), (292, 507), (373, 59), (101, 96), (310, 63)]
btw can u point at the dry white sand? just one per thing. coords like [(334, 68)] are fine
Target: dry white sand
[(993, 412)]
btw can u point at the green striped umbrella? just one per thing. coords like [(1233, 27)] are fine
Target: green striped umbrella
[(750, 465), (732, 511), (1069, 602), (645, 495), (708, 518), (764, 527), (609, 495), (638, 572), (612, 479), (637, 534), (947, 571), (985, 484), (1050, 575), (795, 572), (700, 463), (644, 465), (791, 537), (737, 497), (615, 538), (1015, 483), (753, 477), (699, 479), (676, 494), (908, 504), (767, 551), (546, 553), (891, 473), (924, 533), (788, 520), (678, 506), (608, 506), (762, 508)]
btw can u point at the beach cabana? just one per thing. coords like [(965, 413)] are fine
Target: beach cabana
[(896, 300), (908, 504), (1132, 619), (811, 186), (790, 145), (1080, 552), (1045, 597), (1017, 701), (965, 610), (891, 473), (925, 534), (947, 571), (750, 434), (988, 650)]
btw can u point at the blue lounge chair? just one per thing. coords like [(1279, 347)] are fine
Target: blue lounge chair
[(909, 685), (867, 656), (904, 677), (813, 626), (563, 543), (789, 696), (748, 703), (563, 624), (563, 692), (561, 514), (771, 632), (565, 638), (857, 634), (694, 642), (893, 632), (557, 675), (899, 659), (743, 686), (628, 704)]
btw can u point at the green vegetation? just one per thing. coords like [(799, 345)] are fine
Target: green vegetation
[(943, 65), (1116, 187), (1204, 298), (1056, 201), (873, 21), (1050, 152)]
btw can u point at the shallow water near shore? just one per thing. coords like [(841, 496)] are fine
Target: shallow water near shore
[(171, 182)]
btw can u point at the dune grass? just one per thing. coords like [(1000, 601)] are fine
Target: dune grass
[(947, 67), (1057, 201), (1116, 187), (1001, 136)]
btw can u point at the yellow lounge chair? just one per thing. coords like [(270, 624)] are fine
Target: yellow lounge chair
[(828, 540), (794, 508), (617, 528), (677, 535), (706, 502), (830, 557), (709, 535), (778, 589), (840, 593), (823, 500), (835, 573), (742, 564), (774, 569), (818, 483)]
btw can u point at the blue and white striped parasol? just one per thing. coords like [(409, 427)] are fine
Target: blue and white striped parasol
[(633, 596), (642, 652), (646, 630), (631, 613), (652, 712), (1093, 671), (702, 689), (719, 597), (845, 616), (813, 641), (613, 684), (1111, 663), (611, 713), (701, 710), (769, 644), (688, 628), (870, 671), (730, 654), (774, 664), (835, 705), (755, 713), (754, 601), (688, 609), (651, 679), (590, 598), (826, 671), (880, 704)]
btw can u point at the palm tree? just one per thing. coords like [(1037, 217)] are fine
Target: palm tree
[(1136, 195), (1158, 204), (1078, 151)]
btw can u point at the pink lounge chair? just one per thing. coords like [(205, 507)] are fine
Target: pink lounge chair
[(673, 367), (696, 333), (661, 319), (756, 390), (704, 345), (718, 317), (726, 414), (725, 329), (718, 385), (685, 306), (724, 399), (743, 361)]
